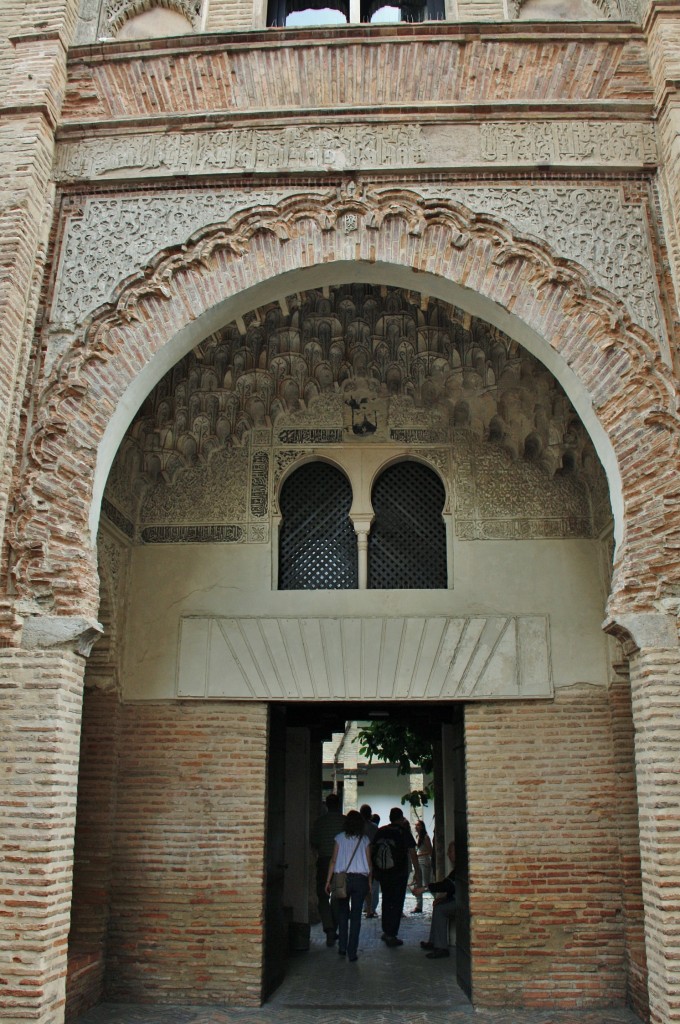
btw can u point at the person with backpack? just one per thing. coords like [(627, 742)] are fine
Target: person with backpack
[(424, 851), (393, 854)]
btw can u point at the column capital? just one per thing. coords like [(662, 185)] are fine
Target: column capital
[(79, 633), (362, 523), (645, 630)]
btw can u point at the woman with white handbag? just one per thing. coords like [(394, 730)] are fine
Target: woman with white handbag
[(349, 880)]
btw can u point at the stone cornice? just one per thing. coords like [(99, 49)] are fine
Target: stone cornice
[(631, 110), (657, 9), (22, 110), (432, 32)]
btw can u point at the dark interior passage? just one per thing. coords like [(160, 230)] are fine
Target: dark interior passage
[(295, 946)]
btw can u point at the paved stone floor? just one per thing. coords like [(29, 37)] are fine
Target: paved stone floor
[(384, 986)]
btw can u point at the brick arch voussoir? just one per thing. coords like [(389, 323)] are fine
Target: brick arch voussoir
[(591, 329)]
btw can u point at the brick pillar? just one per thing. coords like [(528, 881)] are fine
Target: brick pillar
[(40, 715), (33, 41), (655, 686), (623, 735), (662, 28)]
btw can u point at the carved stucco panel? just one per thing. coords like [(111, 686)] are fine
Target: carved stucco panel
[(212, 492), (360, 147), (595, 227), (108, 240)]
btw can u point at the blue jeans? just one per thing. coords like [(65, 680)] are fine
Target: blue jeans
[(349, 913)]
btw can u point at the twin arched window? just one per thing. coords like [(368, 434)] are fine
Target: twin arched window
[(314, 12), (406, 545)]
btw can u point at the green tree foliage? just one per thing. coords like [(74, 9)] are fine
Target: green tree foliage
[(404, 746)]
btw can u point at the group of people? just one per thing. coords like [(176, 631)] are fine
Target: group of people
[(371, 856)]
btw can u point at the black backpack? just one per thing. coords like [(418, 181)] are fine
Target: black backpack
[(389, 853)]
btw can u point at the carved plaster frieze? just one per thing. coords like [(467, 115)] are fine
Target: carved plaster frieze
[(194, 533), (108, 240), (569, 143), (362, 147), (595, 227), (523, 528)]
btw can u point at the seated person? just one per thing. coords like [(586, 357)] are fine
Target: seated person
[(444, 909)]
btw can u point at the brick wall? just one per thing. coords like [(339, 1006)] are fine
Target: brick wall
[(545, 844), (187, 889), (229, 15), (40, 702), (33, 41)]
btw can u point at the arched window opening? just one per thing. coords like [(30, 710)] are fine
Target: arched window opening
[(379, 12), (407, 544), (386, 15), (317, 543), (303, 13), (312, 17)]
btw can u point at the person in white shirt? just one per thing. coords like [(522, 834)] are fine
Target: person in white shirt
[(351, 854)]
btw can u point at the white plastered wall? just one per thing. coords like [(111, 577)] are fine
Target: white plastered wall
[(557, 579)]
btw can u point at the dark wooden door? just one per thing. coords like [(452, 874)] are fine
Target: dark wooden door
[(276, 923), (463, 956)]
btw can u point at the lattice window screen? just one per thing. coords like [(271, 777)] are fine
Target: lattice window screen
[(407, 542), (317, 543)]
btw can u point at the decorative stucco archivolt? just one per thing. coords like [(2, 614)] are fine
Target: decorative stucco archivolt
[(107, 240), (616, 361)]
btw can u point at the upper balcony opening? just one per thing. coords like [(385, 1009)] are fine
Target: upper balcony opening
[(302, 14), (132, 20)]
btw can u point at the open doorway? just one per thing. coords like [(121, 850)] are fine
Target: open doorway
[(298, 781)]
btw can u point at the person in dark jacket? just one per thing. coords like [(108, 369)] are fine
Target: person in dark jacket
[(393, 880), (443, 911), (322, 838)]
